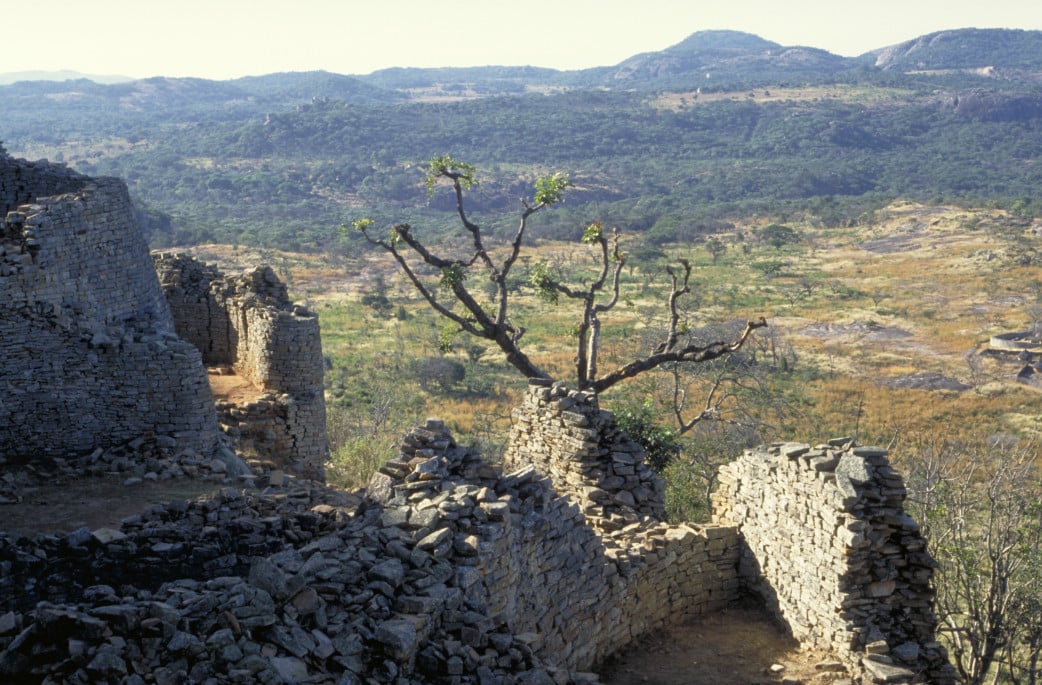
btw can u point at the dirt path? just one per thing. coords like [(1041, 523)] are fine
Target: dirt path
[(231, 387), (734, 647)]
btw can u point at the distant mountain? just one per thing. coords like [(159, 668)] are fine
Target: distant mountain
[(63, 75), (965, 49), (49, 109), (726, 58), (488, 80), (277, 159)]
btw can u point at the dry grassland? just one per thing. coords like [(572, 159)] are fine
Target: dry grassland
[(888, 314)]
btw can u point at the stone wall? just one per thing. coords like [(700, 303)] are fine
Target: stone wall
[(450, 573), (22, 181), (453, 572), (248, 323), (565, 436), (601, 566), (88, 354), (829, 548)]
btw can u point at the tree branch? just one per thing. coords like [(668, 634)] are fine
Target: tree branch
[(689, 354)]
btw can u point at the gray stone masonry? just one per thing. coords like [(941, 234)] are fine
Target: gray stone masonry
[(88, 353), (564, 435), (450, 573), (247, 322), (827, 545), (453, 572), (601, 567)]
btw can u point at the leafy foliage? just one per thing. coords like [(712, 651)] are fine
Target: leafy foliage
[(982, 506), (661, 443), (447, 167), (549, 190)]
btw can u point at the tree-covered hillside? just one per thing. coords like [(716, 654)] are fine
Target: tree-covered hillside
[(654, 147)]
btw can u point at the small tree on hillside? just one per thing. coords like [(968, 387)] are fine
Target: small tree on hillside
[(433, 275), (716, 248)]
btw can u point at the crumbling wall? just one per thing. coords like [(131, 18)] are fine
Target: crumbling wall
[(248, 322), (565, 436), (454, 572), (629, 572), (828, 546), (526, 551), (451, 572), (88, 353)]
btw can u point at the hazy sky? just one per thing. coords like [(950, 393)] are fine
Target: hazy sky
[(228, 38)]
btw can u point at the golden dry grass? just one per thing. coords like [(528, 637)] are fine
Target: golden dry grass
[(912, 290)]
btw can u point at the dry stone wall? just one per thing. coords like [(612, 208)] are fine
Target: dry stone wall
[(828, 546), (454, 572), (565, 436), (88, 353), (601, 566), (248, 322), (450, 573)]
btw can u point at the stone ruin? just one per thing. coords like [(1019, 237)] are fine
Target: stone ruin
[(248, 324), (95, 353), (88, 354), (452, 571), (447, 569), (828, 548)]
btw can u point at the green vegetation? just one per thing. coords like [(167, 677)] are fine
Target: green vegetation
[(651, 147), (883, 218)]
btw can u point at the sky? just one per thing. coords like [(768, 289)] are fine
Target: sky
[(222, 39)]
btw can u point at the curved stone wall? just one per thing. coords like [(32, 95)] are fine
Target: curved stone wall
[(88, 353), (455, 572), (524, 549), (829, 548), (248, 322)]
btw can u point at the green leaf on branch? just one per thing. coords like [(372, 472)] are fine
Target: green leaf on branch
[(593, 233), (543, 283), (447, 167), (549, 190), (453, 276)]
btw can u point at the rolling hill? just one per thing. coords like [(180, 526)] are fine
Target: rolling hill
[(668, 143)]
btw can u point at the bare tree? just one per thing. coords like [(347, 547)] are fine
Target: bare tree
[(453, 274), (980, 505)]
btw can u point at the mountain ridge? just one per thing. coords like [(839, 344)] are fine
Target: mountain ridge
[(7, 78), (667, 143), (736, 58)]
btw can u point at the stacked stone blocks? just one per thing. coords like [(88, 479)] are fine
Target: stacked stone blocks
[(827, 545), (564, 435), (247, 322), (88, 353), (620, 571), (529, 554)]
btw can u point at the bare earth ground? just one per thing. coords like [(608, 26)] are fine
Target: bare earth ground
[(734, 647), (233, 388), (91, 502), (103, 502)]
